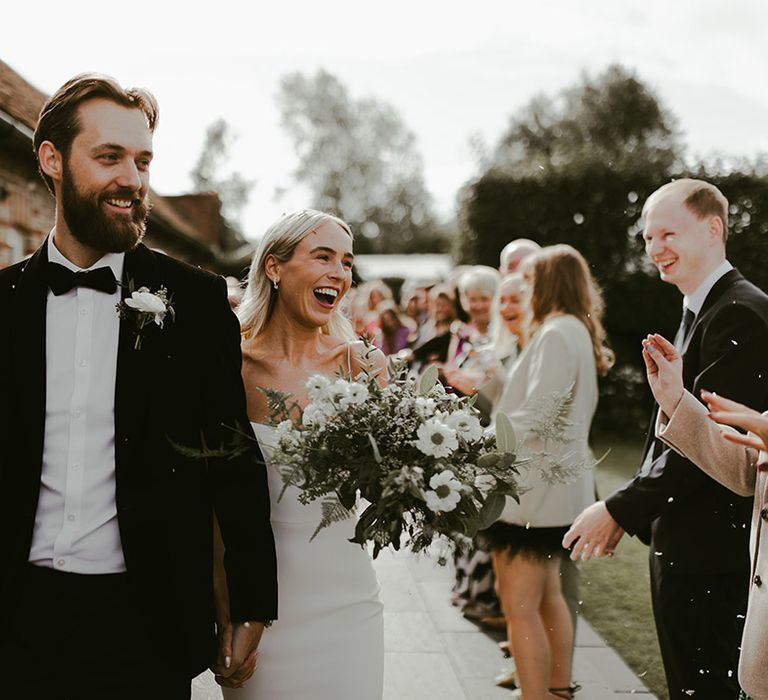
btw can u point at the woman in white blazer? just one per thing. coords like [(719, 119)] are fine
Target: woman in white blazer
[(566, 351)]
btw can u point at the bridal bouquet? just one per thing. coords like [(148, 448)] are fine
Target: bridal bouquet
[(416, 454)]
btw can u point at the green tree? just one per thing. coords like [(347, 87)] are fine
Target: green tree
[(576, 168), (207, 176), (359, 160), (613, 120)]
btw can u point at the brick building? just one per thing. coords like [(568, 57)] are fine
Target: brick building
[(189, 227)]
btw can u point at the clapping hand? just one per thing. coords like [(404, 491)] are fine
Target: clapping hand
[(729, 412), (664, 369)]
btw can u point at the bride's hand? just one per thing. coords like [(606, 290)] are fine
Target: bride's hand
[(224, 659), (244, 640)]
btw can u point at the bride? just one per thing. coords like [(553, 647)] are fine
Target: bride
[(327, 643)]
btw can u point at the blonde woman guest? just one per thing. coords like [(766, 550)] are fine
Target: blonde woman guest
[(737, 461), (508, 339), (566, 352), (327, 643), (469, 340)]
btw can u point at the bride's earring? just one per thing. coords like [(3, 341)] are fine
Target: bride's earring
[(275, 282)]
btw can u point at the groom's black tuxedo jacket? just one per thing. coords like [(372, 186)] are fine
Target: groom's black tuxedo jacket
[(183, 383), (695, 524)]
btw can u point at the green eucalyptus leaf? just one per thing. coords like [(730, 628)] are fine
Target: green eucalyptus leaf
[(491, 510), (428, 380), (490, 459), (506, 440), (375, 446)]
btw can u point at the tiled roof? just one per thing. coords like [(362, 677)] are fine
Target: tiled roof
[(18, 98)]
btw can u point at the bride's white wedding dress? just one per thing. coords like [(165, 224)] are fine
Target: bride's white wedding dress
[(327, 643)]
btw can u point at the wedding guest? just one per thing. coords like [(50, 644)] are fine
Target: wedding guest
[(563, 357), (508, 339), (107, 530), (474, 582), (699, 599), (514, 253), (737, 461), (393, 334), (477, 289), (414, 301), (371, 295), (436, 332)]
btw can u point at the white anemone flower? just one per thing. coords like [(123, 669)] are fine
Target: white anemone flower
[(316, 386), (466, 425), (314, 415), (338, 392), (425, 406), (356, 394), (436, 438), (286, 432), (445, 492)]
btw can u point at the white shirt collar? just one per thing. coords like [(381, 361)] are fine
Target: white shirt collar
[(696, 300), (115, 261)]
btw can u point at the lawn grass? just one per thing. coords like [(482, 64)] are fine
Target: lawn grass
[(616, 592)]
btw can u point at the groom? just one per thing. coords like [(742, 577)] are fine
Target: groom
[(106, 528)]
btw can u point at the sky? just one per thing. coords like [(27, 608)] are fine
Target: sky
[(453, 70)]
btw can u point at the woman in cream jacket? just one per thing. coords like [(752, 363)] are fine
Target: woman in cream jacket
[(563, 356)]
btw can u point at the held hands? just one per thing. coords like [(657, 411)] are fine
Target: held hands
[(594, 533), (237, 658), (729, 412), (664, 368)]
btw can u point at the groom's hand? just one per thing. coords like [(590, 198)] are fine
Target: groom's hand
[(594, 533), (237, 666)]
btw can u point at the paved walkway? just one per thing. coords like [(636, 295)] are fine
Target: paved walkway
[(432, 652)]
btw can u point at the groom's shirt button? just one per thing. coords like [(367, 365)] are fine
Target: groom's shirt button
[(60, 562)]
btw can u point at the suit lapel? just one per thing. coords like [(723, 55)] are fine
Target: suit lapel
[(715, 293), (29, 363), (133, 385)]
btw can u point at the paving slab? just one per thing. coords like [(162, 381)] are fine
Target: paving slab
[(433, 653)]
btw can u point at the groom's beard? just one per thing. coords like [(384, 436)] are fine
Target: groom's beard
[(93, 227)]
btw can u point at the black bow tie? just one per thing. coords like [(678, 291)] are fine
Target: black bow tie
[(62, 279)]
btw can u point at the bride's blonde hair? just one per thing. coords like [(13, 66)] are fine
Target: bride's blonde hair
[(281, 240)]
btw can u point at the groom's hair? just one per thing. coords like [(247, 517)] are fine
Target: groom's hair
[(59, 123), (700, 197)]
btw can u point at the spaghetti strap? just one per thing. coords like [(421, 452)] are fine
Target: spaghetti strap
[(349, 357)]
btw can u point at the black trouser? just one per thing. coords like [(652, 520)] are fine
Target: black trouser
[(699, 622), (80, 637)]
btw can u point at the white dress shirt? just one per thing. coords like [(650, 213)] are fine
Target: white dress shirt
[(696, 299), (76, 526)]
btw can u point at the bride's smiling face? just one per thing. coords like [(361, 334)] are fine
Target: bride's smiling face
[(318, 275)]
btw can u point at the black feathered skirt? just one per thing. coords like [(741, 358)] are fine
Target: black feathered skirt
[(531, 542)]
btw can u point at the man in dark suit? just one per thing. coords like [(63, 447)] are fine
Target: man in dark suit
[(697, 529), (107, 528)]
